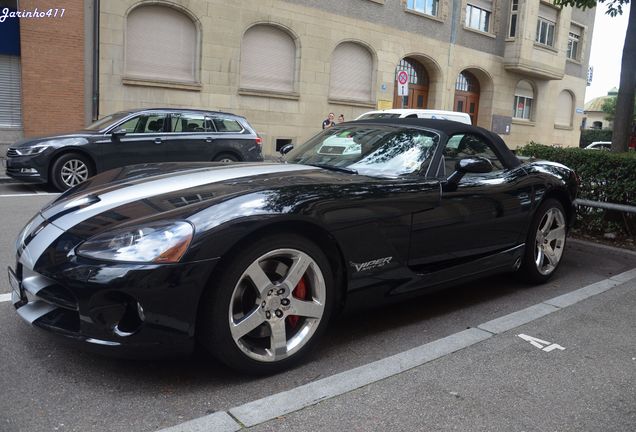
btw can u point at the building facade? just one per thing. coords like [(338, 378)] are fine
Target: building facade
[(516, 66)]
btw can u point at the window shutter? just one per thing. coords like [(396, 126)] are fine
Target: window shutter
[(268, 59), (10, 92), (161, 43), (524, 88), (564, 109), (351, 72), (548, 13), (482, 4)]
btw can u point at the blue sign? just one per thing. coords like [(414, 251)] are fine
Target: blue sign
[(10, 36)]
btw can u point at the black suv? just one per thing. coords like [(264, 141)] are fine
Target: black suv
[(134, 137)]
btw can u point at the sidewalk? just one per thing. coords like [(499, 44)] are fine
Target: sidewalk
[(505, 383), (3, 171)]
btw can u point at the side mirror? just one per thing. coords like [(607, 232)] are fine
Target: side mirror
[(286, 149), (118, 133), (474, 165)]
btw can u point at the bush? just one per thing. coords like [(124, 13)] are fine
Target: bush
[(588, 136), (604, 176)]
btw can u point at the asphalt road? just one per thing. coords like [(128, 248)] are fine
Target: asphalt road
[(502, 383)]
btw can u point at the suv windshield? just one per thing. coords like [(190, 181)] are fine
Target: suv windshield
[(379, 151), (106, 122)]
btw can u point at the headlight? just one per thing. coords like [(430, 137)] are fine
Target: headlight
[(155, 242), (28, 151)]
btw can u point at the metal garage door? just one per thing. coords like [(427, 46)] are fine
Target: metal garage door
[(10, 104)]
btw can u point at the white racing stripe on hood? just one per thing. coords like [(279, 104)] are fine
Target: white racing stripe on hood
[(179, 181)]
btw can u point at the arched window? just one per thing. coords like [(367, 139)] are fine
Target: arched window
[(565, 108), (467, 82), (161, 43), (268, 59), (524, 101), (417, 73), (351, 72)]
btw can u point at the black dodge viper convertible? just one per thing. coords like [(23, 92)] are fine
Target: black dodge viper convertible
[(252, 260)]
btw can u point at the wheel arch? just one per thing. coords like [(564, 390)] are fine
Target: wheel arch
[(69, 150), (232, 153), (563, 197)]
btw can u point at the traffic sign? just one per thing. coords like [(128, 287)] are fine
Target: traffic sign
[(403, 83)]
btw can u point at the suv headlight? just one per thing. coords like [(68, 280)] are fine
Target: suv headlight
[(155, 242), (29, 151)]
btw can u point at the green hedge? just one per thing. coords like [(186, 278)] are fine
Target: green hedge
[(604, 176), (588, 136)]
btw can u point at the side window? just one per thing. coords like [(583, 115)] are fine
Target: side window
[(147, 123), (130, 125), (227, 125), (189, 123), (463, 146)]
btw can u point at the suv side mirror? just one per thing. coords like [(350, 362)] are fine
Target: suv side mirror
[(474, 165), (286, 149), (118, 133)]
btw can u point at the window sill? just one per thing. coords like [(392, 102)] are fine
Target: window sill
[(479, 32), (352, 102), (145, 82), (546, 48), (574, 61), (510, 39), (423, 15), (563, 127), (268, 93), (377, 1), (523, 122)]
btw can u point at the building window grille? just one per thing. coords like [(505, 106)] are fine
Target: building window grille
[(478, 17), (523, 101), (574, 42), (428, 7), (514, 10)]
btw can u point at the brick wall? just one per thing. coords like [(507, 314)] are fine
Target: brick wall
[(52, 67)]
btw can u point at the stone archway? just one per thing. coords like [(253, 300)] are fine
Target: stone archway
[(418, 85), (467, 91)]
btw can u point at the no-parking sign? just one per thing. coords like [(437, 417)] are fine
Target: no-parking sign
[(403, 83)]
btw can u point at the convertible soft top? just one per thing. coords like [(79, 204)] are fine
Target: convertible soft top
[(449, 128)]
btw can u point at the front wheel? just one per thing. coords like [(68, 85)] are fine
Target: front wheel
[(269, 306), (225, 158), (70, 170), (545, 242)]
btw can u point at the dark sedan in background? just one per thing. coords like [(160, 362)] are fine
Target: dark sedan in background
[(252, 260), (134, 137)]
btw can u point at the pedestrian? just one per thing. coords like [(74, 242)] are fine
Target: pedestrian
[(341, 118), (329, 121)]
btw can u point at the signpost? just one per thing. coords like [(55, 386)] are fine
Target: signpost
[(403, 85)]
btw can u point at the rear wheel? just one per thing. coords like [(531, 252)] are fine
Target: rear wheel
[(545, 243), (70, 170), (225, 158), (269, 306)]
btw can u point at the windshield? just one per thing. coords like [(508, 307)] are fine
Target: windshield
[(106, 122), (372, 116), (373, 150)]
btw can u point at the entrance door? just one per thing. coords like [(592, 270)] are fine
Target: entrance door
[(467, 95), (418, 85)]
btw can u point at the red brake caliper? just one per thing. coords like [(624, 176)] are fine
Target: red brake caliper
[(300, 292)]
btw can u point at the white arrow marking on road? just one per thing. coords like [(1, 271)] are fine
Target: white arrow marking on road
[(540, 343)]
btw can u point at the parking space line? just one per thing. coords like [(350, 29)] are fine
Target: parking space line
[(5, 297), (271, 407), (28, 194)]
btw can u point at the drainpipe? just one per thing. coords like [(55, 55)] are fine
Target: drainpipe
[(96, 60)]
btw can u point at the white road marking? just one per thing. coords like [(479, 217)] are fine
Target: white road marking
[(279, 404), (540, 343), (29, 194), (5, 297)]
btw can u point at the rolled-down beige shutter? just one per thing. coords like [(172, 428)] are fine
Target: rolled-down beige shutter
[(351, 72), (161, 43), (10, 92), (548, 13), (524, 88), (564, 109), (268, 59), (482, 4)]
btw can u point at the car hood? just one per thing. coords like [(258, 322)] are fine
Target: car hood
[(57, 140), (171, 191)]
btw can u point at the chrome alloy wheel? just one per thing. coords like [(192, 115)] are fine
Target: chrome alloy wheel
[(550, 240), (277, 305), (74, 172)]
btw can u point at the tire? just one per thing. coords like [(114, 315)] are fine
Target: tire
[(225, 158), (259, 317), (545, 243), (70, 170)]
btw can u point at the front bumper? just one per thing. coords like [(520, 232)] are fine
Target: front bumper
[(31, 169), (127, 310)]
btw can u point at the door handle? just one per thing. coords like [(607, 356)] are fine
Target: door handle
[(158, 141), (208, 139)]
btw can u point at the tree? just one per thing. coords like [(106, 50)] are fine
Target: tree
[(609, 108), (624, 114)]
